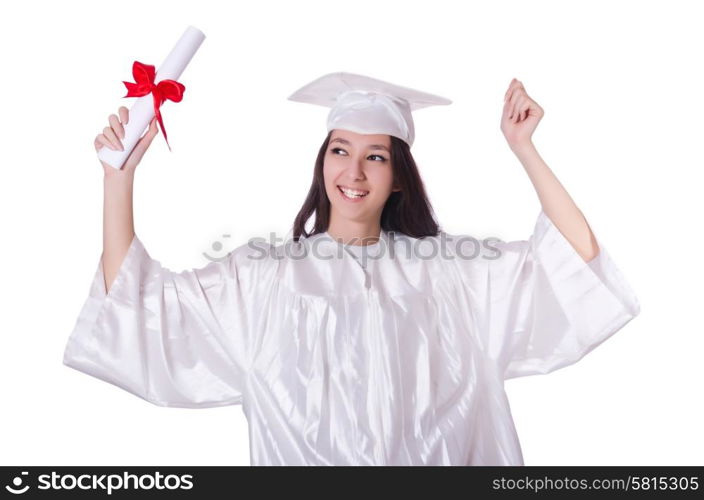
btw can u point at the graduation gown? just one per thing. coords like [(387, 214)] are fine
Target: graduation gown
[(401, 363)]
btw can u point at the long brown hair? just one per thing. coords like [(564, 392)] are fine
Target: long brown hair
[(406, 211)]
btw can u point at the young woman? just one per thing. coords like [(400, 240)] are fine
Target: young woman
[(375, 337)]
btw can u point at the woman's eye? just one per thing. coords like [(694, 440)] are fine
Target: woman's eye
[(335, 151)]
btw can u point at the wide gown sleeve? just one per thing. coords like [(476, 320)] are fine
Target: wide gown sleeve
[(548, 307), (173, 339)]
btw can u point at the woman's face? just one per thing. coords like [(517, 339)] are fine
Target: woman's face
[(361, 163)]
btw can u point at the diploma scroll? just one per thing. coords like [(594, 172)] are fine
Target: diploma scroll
[(142, 111)]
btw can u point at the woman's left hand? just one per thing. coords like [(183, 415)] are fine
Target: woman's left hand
[(521, 115)]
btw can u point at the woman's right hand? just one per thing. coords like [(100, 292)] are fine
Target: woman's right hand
[(111, 138)]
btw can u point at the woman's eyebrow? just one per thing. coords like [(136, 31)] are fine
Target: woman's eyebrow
[(371, 146)]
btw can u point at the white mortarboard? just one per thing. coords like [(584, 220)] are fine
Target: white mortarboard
[(366, 105)]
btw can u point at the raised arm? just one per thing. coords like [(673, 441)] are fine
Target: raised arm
[(118, 219), (520, 117)]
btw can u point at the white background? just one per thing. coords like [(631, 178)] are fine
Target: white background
[(621, 86)]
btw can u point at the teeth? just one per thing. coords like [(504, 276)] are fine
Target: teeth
[(352, 193)]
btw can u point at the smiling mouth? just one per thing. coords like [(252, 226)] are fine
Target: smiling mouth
[(352, 194)]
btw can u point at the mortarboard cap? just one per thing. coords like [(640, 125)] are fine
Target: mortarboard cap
[(366, 105)]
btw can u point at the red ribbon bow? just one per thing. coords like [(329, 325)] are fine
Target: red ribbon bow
[(144, 75)]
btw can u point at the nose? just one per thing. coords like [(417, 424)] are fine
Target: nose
[(355, 170)]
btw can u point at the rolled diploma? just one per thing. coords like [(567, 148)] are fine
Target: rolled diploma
[(142, 110)]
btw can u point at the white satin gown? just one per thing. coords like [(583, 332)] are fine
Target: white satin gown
[(398, 362)]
